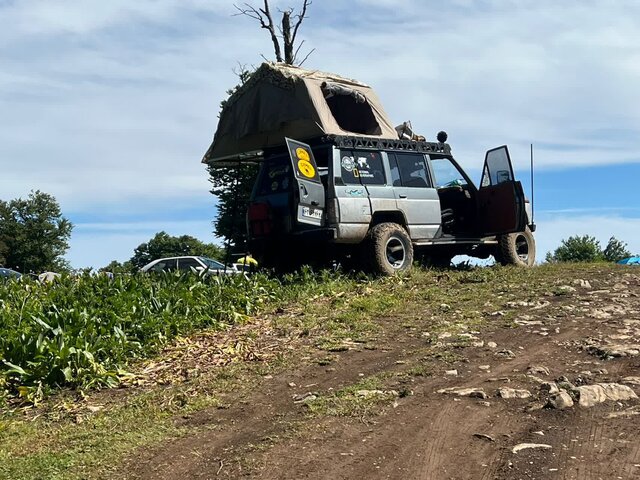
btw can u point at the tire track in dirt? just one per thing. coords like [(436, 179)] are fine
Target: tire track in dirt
[(267, 412), (429, 435)]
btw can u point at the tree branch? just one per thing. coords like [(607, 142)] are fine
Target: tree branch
[(272, 31), (301, 17), (306, 57), (263, 16)]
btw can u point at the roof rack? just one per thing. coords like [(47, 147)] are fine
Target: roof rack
[(344, 141)]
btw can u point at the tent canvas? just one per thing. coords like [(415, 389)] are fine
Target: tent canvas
[(630, 261), (281, 101)]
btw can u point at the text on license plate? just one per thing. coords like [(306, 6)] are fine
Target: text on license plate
[(312, 212)]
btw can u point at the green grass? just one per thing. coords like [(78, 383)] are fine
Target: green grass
[(358, 400), (325, 312), (84, 445)]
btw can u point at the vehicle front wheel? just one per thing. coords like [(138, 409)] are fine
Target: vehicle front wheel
[(389, 249), (516, 249)]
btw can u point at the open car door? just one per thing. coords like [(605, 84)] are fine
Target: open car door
[(500, 197), (310, 198)]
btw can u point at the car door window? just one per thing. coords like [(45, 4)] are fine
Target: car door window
[(275, 176), (188, 263), (395, 172), (446, 173), (409, 170), (497, 167), (165, 265), (362, 168)]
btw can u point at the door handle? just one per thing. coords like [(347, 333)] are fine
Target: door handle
[(402, 196), (314, 203)]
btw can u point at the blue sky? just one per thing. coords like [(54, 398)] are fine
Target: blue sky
[(109, 106)]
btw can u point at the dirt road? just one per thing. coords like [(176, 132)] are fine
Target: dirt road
[(396, 408)]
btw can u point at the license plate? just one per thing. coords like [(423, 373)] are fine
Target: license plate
[(312, 212)]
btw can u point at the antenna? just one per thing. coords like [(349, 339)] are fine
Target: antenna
[(532, 183)]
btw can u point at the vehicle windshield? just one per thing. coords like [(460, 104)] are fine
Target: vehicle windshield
[(212, 264), (446, 173)]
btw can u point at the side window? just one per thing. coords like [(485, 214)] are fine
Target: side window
[(395, 173), (446, 173), (165, 265), (497, 167), (412, 170), (361, 168), (276, 176), (187, 263)]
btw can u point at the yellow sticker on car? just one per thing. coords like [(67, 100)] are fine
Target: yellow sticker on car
[(306, 169), (302, 154)]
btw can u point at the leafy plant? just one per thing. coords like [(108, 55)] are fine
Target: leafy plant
[(33, 233), (83, 331), (577, 249), (615, 250), (587, 249)]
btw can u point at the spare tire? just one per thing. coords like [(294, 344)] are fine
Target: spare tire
[(516, 249), (389, 249)]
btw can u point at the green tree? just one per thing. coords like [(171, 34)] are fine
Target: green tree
[(34, 235), (232, 186), (3, 252), (615, 250), (164, 245), (577, 249), (116, 267), (587, 249)]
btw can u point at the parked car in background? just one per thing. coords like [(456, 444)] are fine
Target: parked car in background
[(8, 273), (201, 265)]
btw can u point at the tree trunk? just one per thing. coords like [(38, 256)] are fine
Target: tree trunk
[(289, 55)]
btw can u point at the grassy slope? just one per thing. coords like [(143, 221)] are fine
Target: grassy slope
[(71, 438)]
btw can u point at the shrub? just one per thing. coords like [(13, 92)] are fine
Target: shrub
[(577, 249), (587, 249), (615, 250)]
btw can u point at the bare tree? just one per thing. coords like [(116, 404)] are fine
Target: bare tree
[(288, 30)]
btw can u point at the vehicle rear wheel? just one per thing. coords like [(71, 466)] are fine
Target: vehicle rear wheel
[(517, 249), (389, 249)]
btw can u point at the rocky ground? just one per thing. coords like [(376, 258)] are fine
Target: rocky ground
[(544, 385)]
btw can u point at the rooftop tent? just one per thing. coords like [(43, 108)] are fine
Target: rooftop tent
[(281, 101)]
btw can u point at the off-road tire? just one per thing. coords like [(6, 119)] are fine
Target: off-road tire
[(389, 249), (516, 249)]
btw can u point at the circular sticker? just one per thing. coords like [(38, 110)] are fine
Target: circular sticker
[(348, 164), (306, 169), (302, 154)]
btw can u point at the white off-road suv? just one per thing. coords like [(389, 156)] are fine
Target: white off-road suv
[(378, 205)]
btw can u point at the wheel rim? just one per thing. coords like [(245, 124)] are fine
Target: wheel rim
[(396, 252), (522, 248)]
